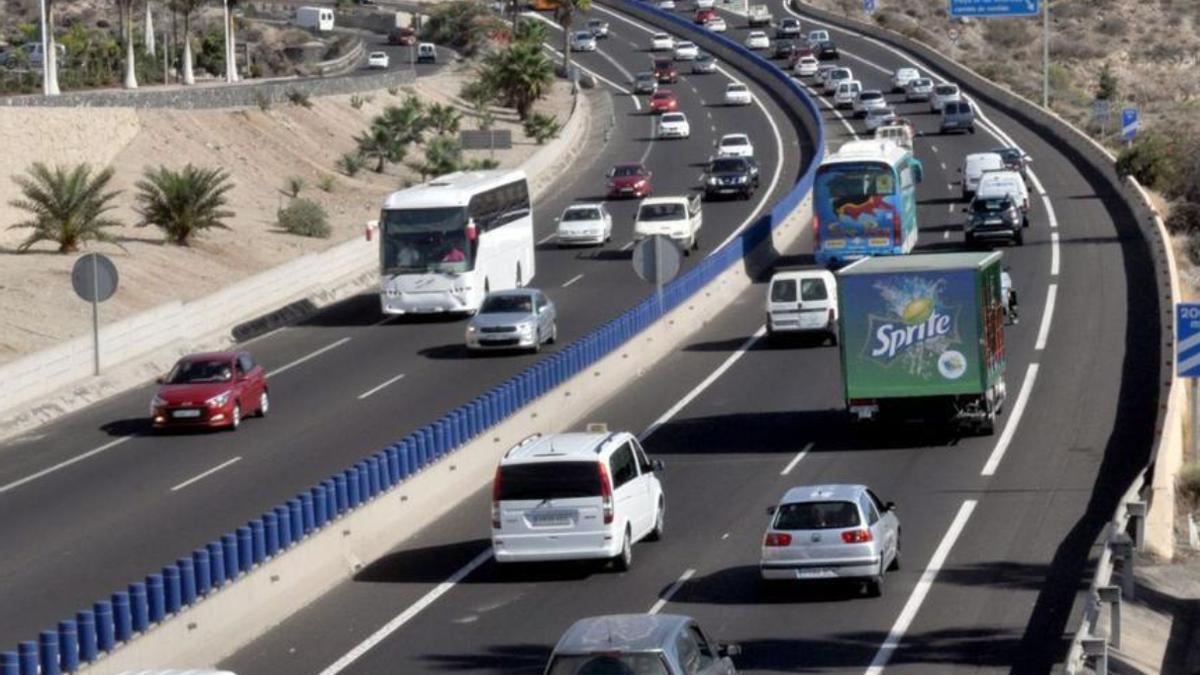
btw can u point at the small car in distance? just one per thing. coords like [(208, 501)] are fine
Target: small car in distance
[(731, 176), (583, 41), (900, 134), (942, 94), (877, 117), (645, 83), (920, 89), (831, 532), (637, 644), (588, 223), (788, 27), (674, 125), (847, 93), (958, 116), (703, 16), (757, 39), (665, 71), (378, 60), (686, 51), (816, 37), (661, 42), (405, 37), (716, 25), (1015, 159), (666, 5), (629, 180), (827, 51), (994, 218), (706, 4), (836, 77), (802, 301), (704, 63), (902, 77), (737, 93), (426, 53), (735, 145), (806, 66), (598, 27), (868, 100), (782, 48), (519, 318), (663, 101), (211, 390)]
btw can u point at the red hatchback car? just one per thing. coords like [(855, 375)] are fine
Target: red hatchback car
[(629, 180), (663, 101), (215, 389), (665, 71), (703, 15)]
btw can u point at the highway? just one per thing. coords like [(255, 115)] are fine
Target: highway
[(996, 530), (94, 501)]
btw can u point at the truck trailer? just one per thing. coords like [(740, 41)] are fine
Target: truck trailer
[(922, 337), (319, 19)]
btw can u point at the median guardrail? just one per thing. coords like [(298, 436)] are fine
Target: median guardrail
[(111, 622)]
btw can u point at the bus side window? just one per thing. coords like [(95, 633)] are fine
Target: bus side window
[(918, 169)]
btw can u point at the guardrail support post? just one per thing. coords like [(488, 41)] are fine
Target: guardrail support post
[(1137, 515), (1112, 595), (1097, 648), (1122, 550)]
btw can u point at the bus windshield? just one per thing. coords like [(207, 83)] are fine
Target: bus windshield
[(854, 181), (425, 240)]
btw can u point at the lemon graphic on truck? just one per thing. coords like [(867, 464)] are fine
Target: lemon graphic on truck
[(918, 311)]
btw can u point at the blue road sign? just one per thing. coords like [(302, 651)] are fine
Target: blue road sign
[(1187, 339), (1130, 123), (984, 8), (869, 6)]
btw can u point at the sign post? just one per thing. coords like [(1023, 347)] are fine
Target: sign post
[(1101, 113), (869, 7), (657, 259), (999, 8), (1130, 124), (94, 278), (1187, 361)]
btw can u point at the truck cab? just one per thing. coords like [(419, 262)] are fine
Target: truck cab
[(679, 218)]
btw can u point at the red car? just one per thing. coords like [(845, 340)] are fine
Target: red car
[(703, 15), (629, 180), (797, 54), (665, 72), (215, 389), (663, 101), (402, 36)]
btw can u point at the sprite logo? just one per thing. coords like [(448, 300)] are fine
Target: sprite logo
[(919, 321), (916, 330)]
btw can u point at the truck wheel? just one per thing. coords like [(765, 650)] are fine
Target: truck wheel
[(1020, 238)]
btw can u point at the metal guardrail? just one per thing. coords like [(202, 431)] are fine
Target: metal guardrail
[(131, 612)]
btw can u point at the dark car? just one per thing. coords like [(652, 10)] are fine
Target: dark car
[(402, 36), (629, 180), (782, 48), (788, 27), (958, 116), (827, 51), (731, 176), (1015, 159), (664, 70), (994, 219), (210, 390)]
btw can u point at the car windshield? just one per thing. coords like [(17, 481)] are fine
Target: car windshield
[(991, 205), (661, 212), (549, 480), (945, 90), (673, 118), (922, 83), (583, 35), (200, 372), (816, 516), (627, 171), (643, 77), (378, 55), (608, 664), (581, 214), (736, 88), (728, 165), (595, 23), (730, 141), (704, 57), (870, 96), (663, 96), (685, 45), (505, 304), (662, 36)]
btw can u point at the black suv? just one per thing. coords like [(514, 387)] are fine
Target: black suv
[(731, 176), (991, 219), (782, 48), (827, 51)]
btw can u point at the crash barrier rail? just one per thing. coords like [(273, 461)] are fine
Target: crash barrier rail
[(128, 613), (1131, 205)]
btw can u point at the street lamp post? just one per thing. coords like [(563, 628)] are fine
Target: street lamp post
[(49, 73), (229, 68), (1046, 54)]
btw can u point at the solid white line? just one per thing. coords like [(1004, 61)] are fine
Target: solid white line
[(627, 246), (547, 238), (376, 389), (313, 355), (950, 207), (796, 460), (1049, 210), (1014, 418), (699, 389), (64, 464), (922, 589), (572, 280), (1047, 315), (934, 148), (1053, 254), (674, 588), (943, 166), (945, 234), (206, 474), (407, 615)]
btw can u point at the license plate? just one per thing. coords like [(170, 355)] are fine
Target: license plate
[(185, 413), (816, 573), (550, 520)]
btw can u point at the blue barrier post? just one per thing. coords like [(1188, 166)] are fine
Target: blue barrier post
[(364, 482), (284, 518), (370, 469), (9, 664), (296, 513), (48, 652), (421, 452), (187, 581), (353, 486), (102, 611), (308, 511), (139, 607), (245, 546), (156, 597), (216, 563), (439, 439), (271, 529), (203, 567), (68, 646), (330, 499), (229, 546), (454, 431), (394, 465), (173, 589), (122, 617), (405, 456), (258, 540), (343, 493), (386, 478), (27, 657), (85, 626)]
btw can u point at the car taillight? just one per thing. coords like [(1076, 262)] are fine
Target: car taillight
[(896, 229), (606, 495), (856, 536), (496, 500), (777, 539), (816, 233), (472, 231)]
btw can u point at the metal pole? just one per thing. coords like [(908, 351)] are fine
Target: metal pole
[(1195, 418), (658, 272), (228, 52), (45, 54), (95, 316), (1046, 54), (166, 59)]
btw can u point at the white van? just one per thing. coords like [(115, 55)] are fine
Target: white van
[(315, 18), (846, 93), (803, 301), (974, 166), (575, 496), (997, 184), (679, 218), (836, 77)]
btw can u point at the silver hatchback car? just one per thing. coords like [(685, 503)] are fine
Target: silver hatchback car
[(521, 318), (639, 644), (831, 532)]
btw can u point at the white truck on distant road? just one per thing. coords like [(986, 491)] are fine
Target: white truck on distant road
[(678, 217), (759, 15), (319, 19)]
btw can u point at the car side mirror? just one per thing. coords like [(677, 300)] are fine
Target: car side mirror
[(890, 506), (657, 465), (160, 379), (771, 510), (728, 650)]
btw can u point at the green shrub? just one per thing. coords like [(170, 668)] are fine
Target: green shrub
[(293, 186), (394, 91), (541, 128), (357, 102), (300, 98), (1151, 159), (483, 164), (305, 218), (351, 163), (327, 182), (1184, 218)]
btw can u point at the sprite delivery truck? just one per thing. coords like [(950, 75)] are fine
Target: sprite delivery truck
[(923, 337)]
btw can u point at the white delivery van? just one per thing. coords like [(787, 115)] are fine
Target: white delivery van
[(974, 166), (846, 93), (997, 184), (900, 134), (802, 301), (679, 218), (315, 18)]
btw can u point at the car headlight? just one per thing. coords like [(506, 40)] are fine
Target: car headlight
[(742, 179), (471, 329), (713, 180), (219, 400), (525, 327)]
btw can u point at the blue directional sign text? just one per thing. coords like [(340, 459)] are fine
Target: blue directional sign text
[(1187, 339), (995, 7)]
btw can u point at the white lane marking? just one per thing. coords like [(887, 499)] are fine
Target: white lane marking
[(950, 207), (945, 234), (628, 245), (943, 166), (379, 388), (407, 615), (1053, 254), (206, 474), (547, 238), (1049, 211), (671, 591), (917, 597), (628, 76), (64, 464), (382, 321), (1047, 315), (841, 118), (934, 148), (705, 384), (1014, 418), (796, 460), (950, 186), (572, 280), (311, 356)]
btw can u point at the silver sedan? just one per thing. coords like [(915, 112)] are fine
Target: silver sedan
[(521, 318)]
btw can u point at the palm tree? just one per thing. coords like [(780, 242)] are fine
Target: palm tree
[(443, 119), (443, 155), (186, 8), (528, 30), (520, 73), (184, 202), (406, 122), (380, 143), (67, 207), (564, 13), (125, 15)]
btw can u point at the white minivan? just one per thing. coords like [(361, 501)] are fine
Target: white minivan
[(576, 496), (678, 217), (803, 301), (847, 92), (974, 166), (998, 184)]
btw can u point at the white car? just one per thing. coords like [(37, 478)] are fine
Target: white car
[(588, 223), (920, 89), (705, 4), (847, 93), (877, 117), (802, 301), (737, 93), (816, 37), (900, 134), (583, 41), (716, 25), (674, 125), (661, 42), (575, 496), (378, 60), (666, 5), (686, 51), (735, 145), (836, 77), (943, 94), (903, 76), (807, 66), (823, 72), (868, 101), (757, 39)]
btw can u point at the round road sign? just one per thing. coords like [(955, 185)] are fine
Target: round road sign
[(94, 277), (954, 35), (657, 259)]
